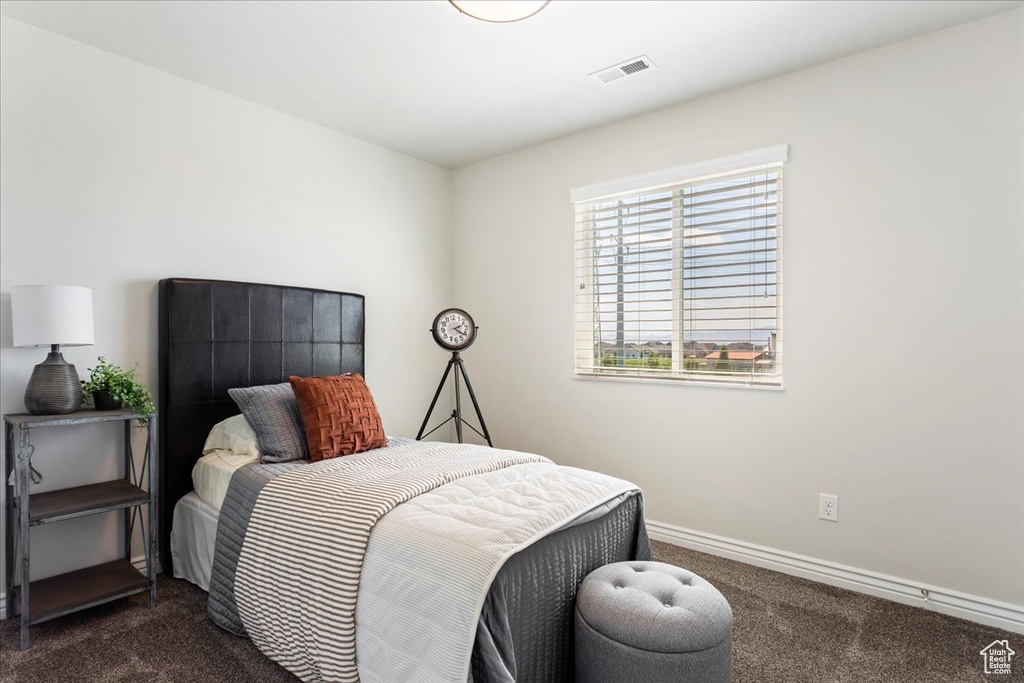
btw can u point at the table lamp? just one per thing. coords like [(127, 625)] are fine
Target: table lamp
[(52, 315)]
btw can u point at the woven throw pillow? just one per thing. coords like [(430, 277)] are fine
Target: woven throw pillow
[(339, 414), (273, 413)]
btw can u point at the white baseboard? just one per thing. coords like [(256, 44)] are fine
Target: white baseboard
[(139, 561), (1002, 615)]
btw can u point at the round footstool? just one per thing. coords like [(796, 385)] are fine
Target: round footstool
[(651, 622)]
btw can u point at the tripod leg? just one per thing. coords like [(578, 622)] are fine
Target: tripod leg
[(479, 415), (457, 413), (437, 394)]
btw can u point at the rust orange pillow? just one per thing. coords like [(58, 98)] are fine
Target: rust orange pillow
[(339, 415)]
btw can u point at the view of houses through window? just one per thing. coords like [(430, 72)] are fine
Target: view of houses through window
[(744, 356)]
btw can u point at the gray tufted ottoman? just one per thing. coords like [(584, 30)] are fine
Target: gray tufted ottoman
[(651, 622)]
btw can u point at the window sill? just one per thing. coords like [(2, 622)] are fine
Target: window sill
[(678, 382)]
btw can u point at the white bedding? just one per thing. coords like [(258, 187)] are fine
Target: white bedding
[(430, 563), (212, 474), (193, 536)]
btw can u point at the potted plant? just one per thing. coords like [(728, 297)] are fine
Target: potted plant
[(112, 387)]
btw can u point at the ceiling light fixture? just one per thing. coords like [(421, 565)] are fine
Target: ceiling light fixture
[(499, 11)]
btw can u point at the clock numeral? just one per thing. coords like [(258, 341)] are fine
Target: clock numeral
[(454, 329)]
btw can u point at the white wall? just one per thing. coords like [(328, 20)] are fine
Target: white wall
[(904, 315), (115, 175)]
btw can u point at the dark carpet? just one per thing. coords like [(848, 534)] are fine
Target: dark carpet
[(785, 629)]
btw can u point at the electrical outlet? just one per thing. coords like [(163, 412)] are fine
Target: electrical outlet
[(828, 507)]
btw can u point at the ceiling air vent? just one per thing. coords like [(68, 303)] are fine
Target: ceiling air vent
[(630, 67)]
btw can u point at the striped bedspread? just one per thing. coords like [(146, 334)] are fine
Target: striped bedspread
[(306, 549)]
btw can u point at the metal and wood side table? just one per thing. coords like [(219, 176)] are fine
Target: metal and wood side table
[(45, 599)]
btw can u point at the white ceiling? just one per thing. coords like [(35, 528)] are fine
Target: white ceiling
[(418, 77)]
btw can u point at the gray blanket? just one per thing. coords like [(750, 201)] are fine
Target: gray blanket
[(524, 633)]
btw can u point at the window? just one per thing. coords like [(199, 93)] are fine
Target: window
[(678, 273)]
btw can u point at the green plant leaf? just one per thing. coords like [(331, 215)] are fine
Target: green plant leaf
[(122, 386)]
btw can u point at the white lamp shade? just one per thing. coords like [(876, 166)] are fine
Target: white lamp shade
[(42, 315)]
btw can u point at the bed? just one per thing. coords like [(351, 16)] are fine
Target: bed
[(215, 335)]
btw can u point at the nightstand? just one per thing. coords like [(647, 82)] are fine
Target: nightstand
[(45, 599)]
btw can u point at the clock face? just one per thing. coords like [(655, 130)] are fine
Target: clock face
[(453, 329)]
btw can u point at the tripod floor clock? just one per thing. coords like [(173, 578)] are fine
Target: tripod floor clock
[(454, 331)]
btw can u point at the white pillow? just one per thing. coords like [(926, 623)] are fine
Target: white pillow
[(233, 434)]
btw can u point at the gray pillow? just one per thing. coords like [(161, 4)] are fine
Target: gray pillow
[(273, 413)]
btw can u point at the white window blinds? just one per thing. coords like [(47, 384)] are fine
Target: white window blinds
[(682, 280)]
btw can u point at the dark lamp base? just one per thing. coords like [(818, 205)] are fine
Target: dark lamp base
[(54, 388)]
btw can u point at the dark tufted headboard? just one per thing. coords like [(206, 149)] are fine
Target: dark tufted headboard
[(215, 335)]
